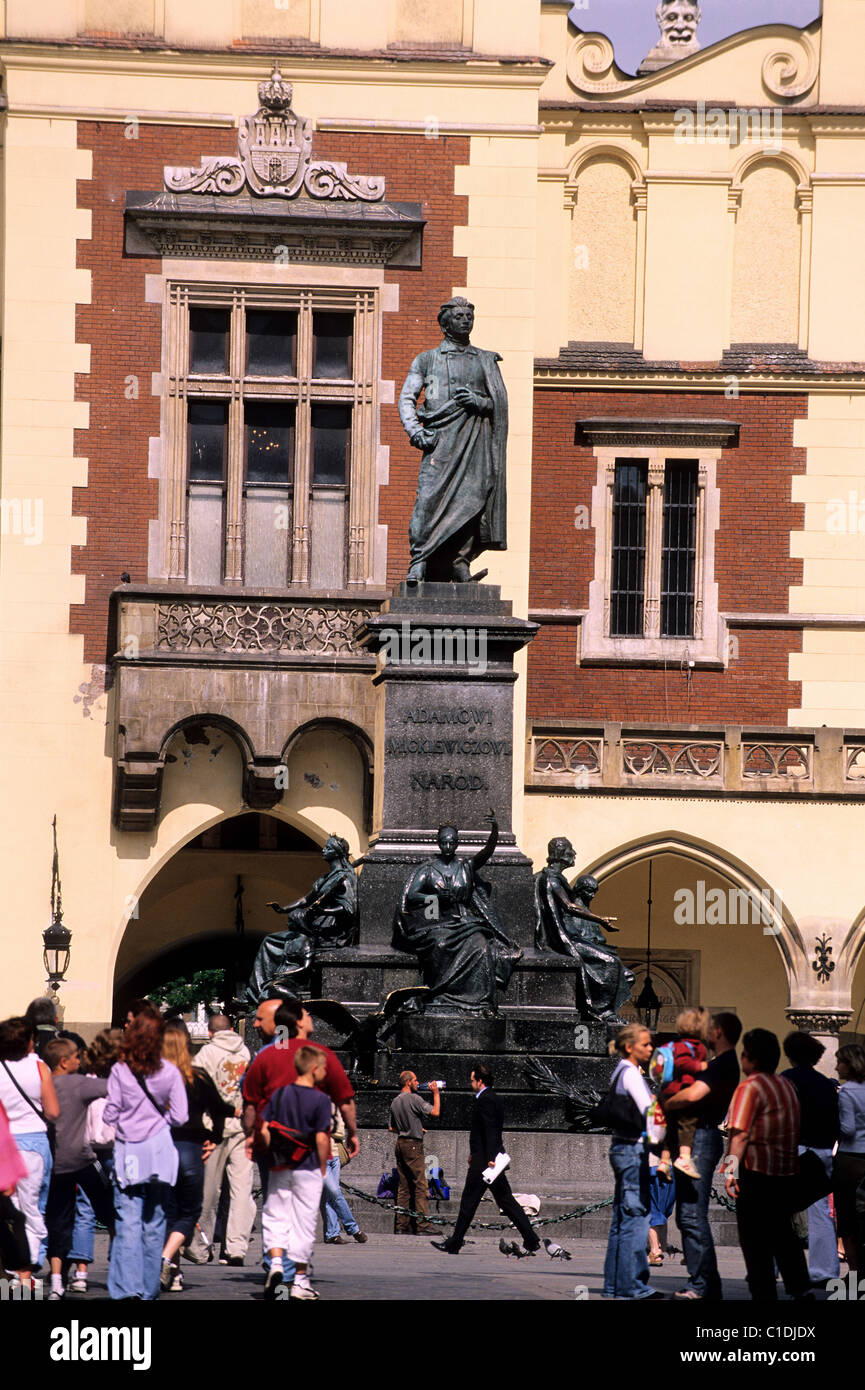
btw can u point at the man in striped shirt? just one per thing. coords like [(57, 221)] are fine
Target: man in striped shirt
[(761, 1164)]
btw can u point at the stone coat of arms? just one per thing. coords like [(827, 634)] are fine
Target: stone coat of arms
[(275, 149)]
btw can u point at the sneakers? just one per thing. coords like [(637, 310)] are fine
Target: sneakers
[(360, 1237), (556, 1252), (687, 1165), (301, 1288), (166, 1275), (56, 1296), (176, 1283), (273, 1281), (663, 1171), (77, 1284), (236, 1261)]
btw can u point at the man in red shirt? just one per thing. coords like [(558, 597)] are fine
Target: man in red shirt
[(290, 1026), (761, 1164)]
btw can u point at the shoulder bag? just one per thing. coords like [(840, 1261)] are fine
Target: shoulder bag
[(50, 1124)]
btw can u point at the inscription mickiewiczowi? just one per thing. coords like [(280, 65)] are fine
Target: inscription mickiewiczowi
[(473, 741)]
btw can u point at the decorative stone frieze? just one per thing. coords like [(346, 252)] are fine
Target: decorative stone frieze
[(245, 626), (572, 755)]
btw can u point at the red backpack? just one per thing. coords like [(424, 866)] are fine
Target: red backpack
[(288, 1147)]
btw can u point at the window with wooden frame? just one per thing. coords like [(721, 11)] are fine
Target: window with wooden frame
[(655, 511), (272, 436)]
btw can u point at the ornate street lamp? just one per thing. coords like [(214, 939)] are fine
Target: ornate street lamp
[(57, 936), (648, 1003)]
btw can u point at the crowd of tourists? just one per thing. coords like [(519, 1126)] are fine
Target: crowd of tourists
[(793, 1162), (163, 1150)]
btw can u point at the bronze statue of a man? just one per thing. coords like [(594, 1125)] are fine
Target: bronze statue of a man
[(565, 923), (462, 429)]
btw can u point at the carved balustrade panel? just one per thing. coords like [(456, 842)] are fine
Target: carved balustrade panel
[(664, 758), (243, 626), (790, 760), (567, 757)]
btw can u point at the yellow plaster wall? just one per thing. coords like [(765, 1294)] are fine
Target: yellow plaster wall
[(416, 21), (843, 31), (837, 329), (765, 305), (603, 263), (119, 16), (687, 275), (831, 665)]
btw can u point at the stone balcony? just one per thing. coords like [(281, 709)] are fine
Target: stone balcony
[(709, 760), (264, 667)]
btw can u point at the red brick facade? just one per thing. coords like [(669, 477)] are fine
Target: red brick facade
[(124, 333), (753, 567)]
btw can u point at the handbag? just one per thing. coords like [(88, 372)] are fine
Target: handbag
[(618, 1112), (49, 1124), (810, 1183)]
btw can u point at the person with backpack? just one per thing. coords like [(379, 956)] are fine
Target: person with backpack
[(624, 1110), (295, 1129), (225, 1059), (195, 1142), (146, 1095)]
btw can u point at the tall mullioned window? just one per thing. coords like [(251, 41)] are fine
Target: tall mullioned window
[(653, 548), (273, 429)]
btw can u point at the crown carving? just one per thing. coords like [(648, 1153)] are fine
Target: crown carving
[(275, 93)]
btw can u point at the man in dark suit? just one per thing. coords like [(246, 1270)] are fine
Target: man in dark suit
[(485, 1143)]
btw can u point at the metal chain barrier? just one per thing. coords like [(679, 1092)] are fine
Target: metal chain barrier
[(722, 1199), (480, 1225)]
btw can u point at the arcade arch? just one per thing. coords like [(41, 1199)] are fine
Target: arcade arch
[(719, 934)]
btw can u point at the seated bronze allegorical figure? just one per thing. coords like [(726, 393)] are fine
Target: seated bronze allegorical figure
[(326, 917), (565, 923), (446, 919)]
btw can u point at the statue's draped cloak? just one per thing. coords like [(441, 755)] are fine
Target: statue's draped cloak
[(464, 955), (332, 923), (462, 479), (604, 982)]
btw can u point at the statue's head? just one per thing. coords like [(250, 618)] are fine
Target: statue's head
[(677, 21), (335, 847), (457, 318), (586, 887), (560, 851), (448, 839)]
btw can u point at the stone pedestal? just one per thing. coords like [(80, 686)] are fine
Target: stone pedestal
[(444, 744)]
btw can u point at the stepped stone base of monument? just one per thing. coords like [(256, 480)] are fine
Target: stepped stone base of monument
[(564, 1170)]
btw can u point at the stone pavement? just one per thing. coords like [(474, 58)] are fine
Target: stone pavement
[(393, 1268)]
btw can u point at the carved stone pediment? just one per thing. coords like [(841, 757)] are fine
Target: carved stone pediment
[(275, 158)]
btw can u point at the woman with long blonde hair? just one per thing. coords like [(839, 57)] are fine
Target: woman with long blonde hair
[(195, 1142), (626, 1270)]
